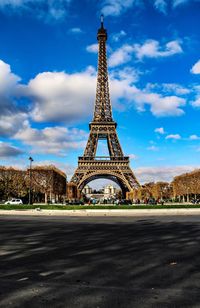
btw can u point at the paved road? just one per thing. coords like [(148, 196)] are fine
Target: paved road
[(99, 262)]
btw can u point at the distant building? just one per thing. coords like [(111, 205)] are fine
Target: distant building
[(109, 191), (87, 190)]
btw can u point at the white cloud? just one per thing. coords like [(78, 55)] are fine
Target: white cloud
[(133, 156), (117, 36), (59, 97), (161, 5), (62, 97), (196, 102), (115, 7), (75, 30), (42, 9), (7, 150), (173, 136), (128, 74), (196, 68), (153, 148), (160, 106), (176, 3), (125, 94), (168, 88), (11, 123), (12, 117), (52, 140), (120, 56), (194, 137), (8, 80), (164, 5), (152, 49), (175, 88), (160, 130), (149, 49), (162, 173), (197, 88), (93, 48), (58, 9)]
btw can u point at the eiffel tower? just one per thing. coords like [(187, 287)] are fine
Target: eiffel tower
[(115, 166)]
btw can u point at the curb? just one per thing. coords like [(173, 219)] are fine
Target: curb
[(96, 212)]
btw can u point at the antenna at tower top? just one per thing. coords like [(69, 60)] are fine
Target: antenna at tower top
[(101, 34), (102, 20)]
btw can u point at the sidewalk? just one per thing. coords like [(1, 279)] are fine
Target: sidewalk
[(96, 212)]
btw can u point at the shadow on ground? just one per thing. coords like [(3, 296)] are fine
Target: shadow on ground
[(70, 262)]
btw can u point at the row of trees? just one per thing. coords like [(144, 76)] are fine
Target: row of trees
[(48, 183), (159, 190), (183, 188), (187, 186), (13, 183)]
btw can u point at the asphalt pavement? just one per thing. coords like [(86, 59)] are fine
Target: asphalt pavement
[(99, 262)]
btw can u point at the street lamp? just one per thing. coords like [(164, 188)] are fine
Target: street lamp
[(30, 180)]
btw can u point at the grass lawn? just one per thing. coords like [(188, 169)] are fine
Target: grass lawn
[(103, 207)]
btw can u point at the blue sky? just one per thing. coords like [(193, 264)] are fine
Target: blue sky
[(48, 62)]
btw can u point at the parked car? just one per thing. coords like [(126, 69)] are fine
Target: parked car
[(195, 201), (14, 201)]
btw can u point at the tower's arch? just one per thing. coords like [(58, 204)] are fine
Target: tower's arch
[(115, 177)]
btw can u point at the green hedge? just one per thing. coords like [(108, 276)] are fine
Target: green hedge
[(110, 207)]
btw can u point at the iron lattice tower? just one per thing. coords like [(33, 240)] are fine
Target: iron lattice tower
[(116, 165)]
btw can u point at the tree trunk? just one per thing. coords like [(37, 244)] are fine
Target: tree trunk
[(46, 198)]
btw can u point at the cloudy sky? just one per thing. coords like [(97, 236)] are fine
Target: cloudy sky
[(48, 62)]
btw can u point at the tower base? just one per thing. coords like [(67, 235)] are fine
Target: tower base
[(116, 169)]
